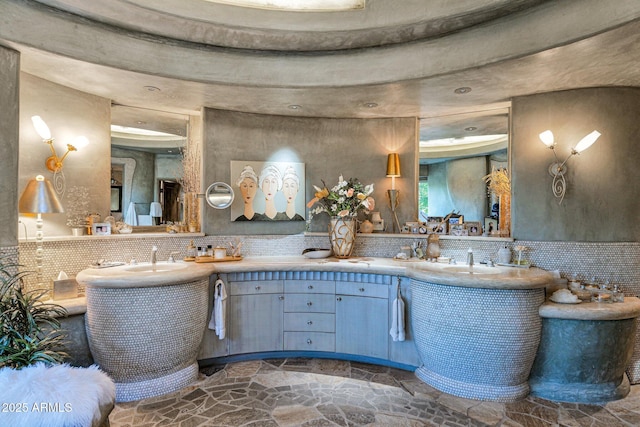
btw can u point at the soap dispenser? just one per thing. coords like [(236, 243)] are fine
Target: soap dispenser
[(504, 255), (192, 251)]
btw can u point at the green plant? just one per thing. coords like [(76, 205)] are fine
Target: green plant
[(30, 328)]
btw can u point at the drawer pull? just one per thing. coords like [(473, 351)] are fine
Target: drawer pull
[(309, 304), (339, 298), (281, 298), (310, 287), (361, 289), (257, 288), (309, 341), (309, 322)]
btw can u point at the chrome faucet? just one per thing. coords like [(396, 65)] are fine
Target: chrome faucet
[(470, 257), (154, 250)]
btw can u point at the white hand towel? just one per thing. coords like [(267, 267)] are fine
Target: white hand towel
[(397, 320), (131, 217), (218, 315)]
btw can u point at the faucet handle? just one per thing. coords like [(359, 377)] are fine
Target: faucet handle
[(171, 258)]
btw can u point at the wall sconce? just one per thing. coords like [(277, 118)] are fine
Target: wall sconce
[(39, 198), (393, 171), (53, 162), (558, 169)]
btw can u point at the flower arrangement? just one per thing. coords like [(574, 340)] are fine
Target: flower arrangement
[(345, 199)]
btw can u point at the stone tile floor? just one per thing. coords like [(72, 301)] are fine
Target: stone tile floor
[(325, 392)]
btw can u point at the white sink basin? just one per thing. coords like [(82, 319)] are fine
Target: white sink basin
[(155, 268), (476, 269)]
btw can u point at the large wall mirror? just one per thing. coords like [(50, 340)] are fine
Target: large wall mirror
[(456, 153), (146, 165)]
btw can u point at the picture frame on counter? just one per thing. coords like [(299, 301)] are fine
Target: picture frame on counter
[(474, 228), (101, 229), (436, 228), (490, 226), (458, 230)]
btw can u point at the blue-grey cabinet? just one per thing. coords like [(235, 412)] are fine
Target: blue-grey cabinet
[(362, 319), (309, 318), (256, 316)]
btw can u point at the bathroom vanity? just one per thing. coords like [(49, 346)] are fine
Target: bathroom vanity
[(483, 324), (477, 328), (144, 324)]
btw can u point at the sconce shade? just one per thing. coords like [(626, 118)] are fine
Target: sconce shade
[(587, 141), (547, 138), (41, 127), (39, 197), (393, 165)]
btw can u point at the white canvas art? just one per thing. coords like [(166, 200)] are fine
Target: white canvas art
[(268, 191)]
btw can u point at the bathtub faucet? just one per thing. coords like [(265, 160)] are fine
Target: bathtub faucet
[(154, 250)]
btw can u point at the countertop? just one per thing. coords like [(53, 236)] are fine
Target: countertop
[(454, 275), (628, 309)]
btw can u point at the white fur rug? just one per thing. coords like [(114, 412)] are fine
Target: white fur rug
[(53, 396)]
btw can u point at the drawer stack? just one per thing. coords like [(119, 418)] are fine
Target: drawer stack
[(309, 315)]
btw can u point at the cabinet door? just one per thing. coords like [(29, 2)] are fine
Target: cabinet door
[(362, 326), (255, 323)]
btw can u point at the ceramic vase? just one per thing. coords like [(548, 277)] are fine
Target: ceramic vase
[(342, 236)]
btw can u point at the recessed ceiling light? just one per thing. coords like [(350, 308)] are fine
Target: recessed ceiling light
[(370, 105), (294, 107), (462, 90), (470, 128), (152, 88)]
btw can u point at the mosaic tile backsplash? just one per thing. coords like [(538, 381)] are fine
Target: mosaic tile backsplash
[(617, 262)]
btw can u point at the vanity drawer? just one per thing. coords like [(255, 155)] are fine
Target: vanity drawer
[(312, 322), (362, 289), (255, 287), (309, 341), (310, 286), (310, 303)]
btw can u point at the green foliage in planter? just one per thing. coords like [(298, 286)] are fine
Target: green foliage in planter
[(30, 328)]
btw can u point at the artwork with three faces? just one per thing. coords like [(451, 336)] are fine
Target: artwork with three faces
[(267, 191)]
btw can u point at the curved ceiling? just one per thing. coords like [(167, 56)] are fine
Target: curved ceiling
[(390, 59)]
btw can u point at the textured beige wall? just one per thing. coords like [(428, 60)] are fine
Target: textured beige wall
[(329, 147), (9, 110), (602, 202)]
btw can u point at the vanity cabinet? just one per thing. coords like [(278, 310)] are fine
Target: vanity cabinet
[(362, 319), (309, 315), (255, 316)]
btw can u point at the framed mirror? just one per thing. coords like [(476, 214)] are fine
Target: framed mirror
[(219, 195), (456, 153)]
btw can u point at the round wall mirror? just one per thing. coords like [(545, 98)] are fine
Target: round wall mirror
[(219, 195)]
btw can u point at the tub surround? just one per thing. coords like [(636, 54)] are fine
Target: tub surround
[(584, 351)]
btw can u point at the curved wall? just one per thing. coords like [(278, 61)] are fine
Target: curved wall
[(602, 201)]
